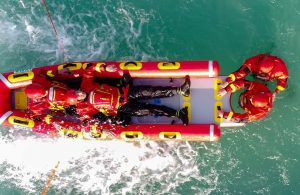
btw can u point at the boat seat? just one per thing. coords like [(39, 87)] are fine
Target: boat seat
[(19, 100)]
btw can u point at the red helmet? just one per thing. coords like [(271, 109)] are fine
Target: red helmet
[(35, 91), (261, 99), (266, 64), (71, 97)]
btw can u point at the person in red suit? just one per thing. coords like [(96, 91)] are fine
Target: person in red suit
[(109, 104), (265, 67), (257, 101), (51, 101), (57, 97)]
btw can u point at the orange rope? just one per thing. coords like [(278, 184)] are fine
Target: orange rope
[(60, 44), (51, 177)]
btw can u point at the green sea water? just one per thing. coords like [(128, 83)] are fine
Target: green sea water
[(261, 158)]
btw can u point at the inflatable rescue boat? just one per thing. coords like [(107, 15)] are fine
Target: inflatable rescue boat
[(203, 102)]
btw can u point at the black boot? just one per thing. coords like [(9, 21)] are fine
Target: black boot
[(183, 115), (185, 89)]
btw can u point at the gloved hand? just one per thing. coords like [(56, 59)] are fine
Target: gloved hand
[(222, 92), (220, 113), (223, 85)]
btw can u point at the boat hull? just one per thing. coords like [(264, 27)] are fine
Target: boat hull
[(204, 124)]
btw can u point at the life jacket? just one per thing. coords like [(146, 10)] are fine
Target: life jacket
[(85, 110), (107, 99), (278, 69), (57, 97), (256, 113), (37, 106)]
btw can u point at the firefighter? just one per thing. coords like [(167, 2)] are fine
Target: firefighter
[(256, 101), (265, 67)]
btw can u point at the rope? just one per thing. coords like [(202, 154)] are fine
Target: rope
[(51, 177), (60, 44)]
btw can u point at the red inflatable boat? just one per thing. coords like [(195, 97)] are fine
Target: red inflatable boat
[(204, 125)]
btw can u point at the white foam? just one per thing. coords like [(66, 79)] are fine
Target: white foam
[(103, 167), (97, 166), (22, 3)]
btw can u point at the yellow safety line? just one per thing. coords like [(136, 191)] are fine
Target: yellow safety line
[(51, 177)]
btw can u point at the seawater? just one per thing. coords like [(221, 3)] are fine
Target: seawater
[(261, 158)]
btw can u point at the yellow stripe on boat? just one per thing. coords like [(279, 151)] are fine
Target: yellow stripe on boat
[(70, 66), (169, 135), (217, 83), (19, 77), (131, 135), (217, 118), (131, 65), (19, 121), (168, 65)]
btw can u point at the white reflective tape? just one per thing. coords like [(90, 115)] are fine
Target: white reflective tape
[(211, 133), (211, 72), (5, 116), (50, 97), (5, 81), (231, 124), (12, 85), (91, 97)]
